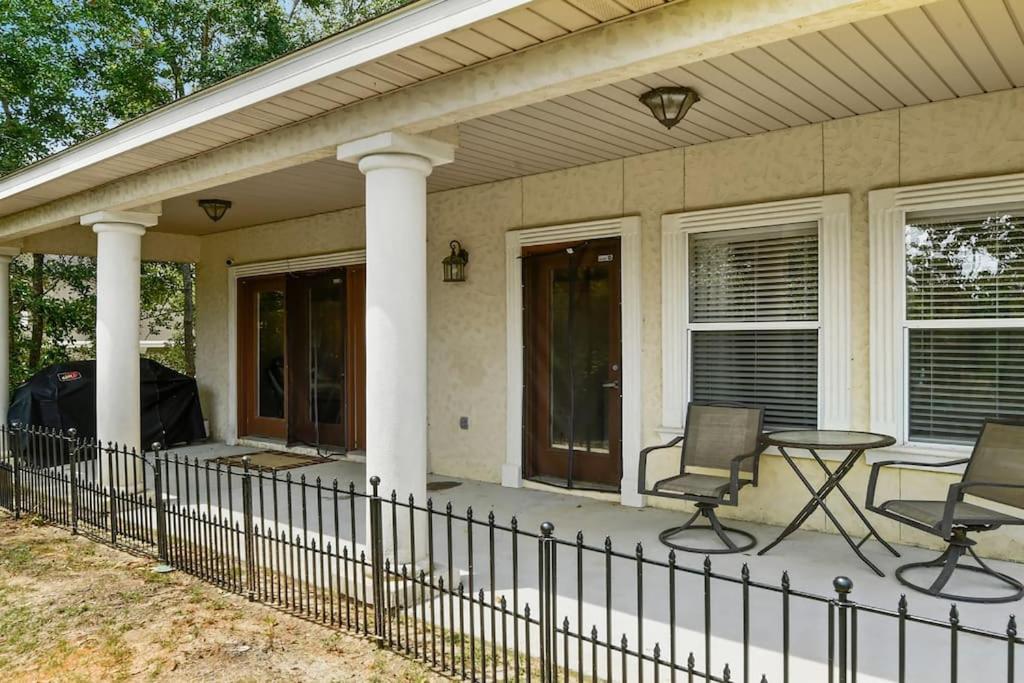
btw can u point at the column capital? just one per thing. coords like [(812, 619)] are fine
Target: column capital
[(120, 221), (393, 143), (7, 253)]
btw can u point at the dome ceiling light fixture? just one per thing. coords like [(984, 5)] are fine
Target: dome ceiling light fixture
[(214, 208), (669, 105)]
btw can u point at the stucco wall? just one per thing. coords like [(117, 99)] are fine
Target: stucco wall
[(981, 135)]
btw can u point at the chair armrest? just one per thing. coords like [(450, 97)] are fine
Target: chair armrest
[(642, 475), (869, 503), (734, 465), (956, 495), (989, 484), (915, 463)]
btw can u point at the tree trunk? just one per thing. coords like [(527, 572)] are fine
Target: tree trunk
[(188, 317), (35, 348)]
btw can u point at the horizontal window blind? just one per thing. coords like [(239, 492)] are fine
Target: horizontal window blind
[(959, 377), (776, 369), (967, 267), (756, 275)]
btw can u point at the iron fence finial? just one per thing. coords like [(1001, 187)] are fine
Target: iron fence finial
[(843, 586)]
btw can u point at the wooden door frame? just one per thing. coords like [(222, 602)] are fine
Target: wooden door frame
[(249, 419), (628, 229), (236, 272)]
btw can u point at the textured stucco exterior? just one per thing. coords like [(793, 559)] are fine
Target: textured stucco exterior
[(975, 136)]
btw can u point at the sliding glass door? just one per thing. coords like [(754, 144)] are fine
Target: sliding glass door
[(301, 358)]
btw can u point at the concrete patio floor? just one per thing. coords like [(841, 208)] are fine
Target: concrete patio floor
[(811, 559)]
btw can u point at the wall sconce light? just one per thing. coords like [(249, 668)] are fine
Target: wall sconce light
[(214, 208), (455, 263), (669, 105)]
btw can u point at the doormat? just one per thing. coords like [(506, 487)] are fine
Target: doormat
[(270, 461), (442, 485)]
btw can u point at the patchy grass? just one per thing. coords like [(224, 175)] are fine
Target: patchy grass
[(72, 610)]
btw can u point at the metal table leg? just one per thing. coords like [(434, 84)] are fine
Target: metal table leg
[(811, 505), (856, 508), (818, 500)]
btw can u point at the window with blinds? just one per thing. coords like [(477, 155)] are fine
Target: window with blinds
[(965, 323), (753, 320)]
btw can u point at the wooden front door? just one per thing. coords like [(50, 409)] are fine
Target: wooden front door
[(573, 365), (301, 357)]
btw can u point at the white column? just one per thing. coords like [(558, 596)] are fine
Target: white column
[(396, 167), (118, 270), (6, 254)]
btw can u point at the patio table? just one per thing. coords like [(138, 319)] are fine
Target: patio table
[(813, 441)]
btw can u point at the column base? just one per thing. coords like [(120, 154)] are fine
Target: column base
[(629, 496), (512, 476)]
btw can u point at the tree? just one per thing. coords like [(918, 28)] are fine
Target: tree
[(45, 82), (52, 308)]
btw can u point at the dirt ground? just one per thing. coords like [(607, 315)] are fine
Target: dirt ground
[(74, 610)]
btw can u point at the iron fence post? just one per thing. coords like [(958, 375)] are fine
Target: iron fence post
[(843, 586), (72, 442), (548, 616), (16, 459), (112, 501), (377, 559), (161, 513), (247, 526)]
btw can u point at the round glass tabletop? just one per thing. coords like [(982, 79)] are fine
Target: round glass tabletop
[(828, 439)]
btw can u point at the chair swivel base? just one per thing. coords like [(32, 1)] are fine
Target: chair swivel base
[(949, 561), (723, 533)]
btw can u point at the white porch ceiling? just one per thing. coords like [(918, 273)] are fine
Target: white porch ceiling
[(939, 51)]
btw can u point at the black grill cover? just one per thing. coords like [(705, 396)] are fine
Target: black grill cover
[(63, 396)]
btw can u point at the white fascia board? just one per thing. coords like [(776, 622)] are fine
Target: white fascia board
[(391, 33)]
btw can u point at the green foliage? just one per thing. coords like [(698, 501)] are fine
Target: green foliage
[(70, 68), (65, 305), (61, 296), (45, 83)]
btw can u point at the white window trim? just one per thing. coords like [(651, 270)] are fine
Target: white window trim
[(237, 272), (832, 214), (627, 229), (888, 210)]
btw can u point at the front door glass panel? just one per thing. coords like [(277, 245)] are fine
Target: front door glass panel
[(580, 401), (326, 349), (270, 353)]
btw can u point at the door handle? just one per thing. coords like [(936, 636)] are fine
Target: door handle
[(613, 384)]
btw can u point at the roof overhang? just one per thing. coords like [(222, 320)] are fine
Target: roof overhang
[(652, 38)]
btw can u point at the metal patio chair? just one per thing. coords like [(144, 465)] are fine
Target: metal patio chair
[(717, 437), (995, 472)]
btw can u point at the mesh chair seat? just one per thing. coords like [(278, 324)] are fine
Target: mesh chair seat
[(930, 513), (705, 485)]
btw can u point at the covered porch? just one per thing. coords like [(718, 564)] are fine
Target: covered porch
[(832, 132)]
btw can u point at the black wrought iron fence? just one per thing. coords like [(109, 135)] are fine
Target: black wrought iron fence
[(472, 597)]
